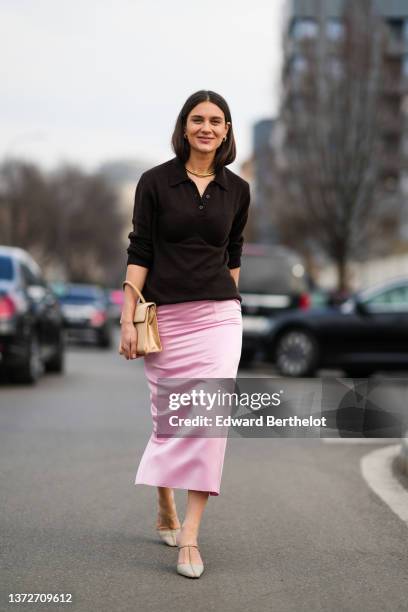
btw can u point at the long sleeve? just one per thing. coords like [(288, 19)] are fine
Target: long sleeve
[(236, 237), (140, 250)]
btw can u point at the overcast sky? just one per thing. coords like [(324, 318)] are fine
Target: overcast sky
[(96, 80)]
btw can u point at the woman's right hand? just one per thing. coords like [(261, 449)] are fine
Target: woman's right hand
[(128, 341)]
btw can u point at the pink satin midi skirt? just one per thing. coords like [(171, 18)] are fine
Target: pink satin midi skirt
[(200, 339)]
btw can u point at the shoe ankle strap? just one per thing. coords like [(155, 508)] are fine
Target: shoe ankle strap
[(185, 545)]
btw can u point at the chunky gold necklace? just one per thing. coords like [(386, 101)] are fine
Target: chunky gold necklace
[(200, 175)]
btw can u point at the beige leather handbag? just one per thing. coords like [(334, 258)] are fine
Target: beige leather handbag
[(145, 322)]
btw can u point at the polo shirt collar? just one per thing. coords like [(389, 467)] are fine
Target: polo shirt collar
[(178, 174)]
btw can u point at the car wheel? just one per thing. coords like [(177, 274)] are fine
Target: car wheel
[(358, 372), (105, 341), (296, 353), (247, 359), (57, 361), (32, 368)]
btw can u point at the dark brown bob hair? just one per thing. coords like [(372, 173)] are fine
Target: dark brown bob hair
[(226, 152)]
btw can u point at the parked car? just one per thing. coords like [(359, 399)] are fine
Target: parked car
[(116, 300), (272, 281), (31, 322), (365, 333), (85, 310)]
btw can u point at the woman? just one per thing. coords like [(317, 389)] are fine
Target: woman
[(184, 254)]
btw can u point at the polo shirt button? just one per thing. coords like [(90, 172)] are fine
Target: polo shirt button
[(208, 196), (201, 207)]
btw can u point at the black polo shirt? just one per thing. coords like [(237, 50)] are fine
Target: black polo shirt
[(188, 242)]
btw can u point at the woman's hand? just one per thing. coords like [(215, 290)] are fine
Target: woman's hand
[(128, 341)]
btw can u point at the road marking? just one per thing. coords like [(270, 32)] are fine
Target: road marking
[(376, 468)]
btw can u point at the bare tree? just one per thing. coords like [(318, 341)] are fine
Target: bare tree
[(25, 204), (340, 181), (69, 221), (89, 226)]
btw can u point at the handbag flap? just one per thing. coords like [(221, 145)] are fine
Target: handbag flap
[(142, 308)]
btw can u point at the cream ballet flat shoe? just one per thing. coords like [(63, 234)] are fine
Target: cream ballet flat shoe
[(169, 536), (191, 570)]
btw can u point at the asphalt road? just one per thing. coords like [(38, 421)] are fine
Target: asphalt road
[(295, 527)]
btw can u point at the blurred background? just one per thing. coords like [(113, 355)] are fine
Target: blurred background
[(319, 99)]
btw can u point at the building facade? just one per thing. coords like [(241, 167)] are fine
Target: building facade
[(315, 29)]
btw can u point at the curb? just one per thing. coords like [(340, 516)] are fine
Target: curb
[(403, 456)]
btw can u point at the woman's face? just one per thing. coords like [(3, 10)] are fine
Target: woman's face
[(206, 127)]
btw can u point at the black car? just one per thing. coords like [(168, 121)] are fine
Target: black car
[(365, 333), (86, 312), (115, 300), (272, 281), (31, 323)]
